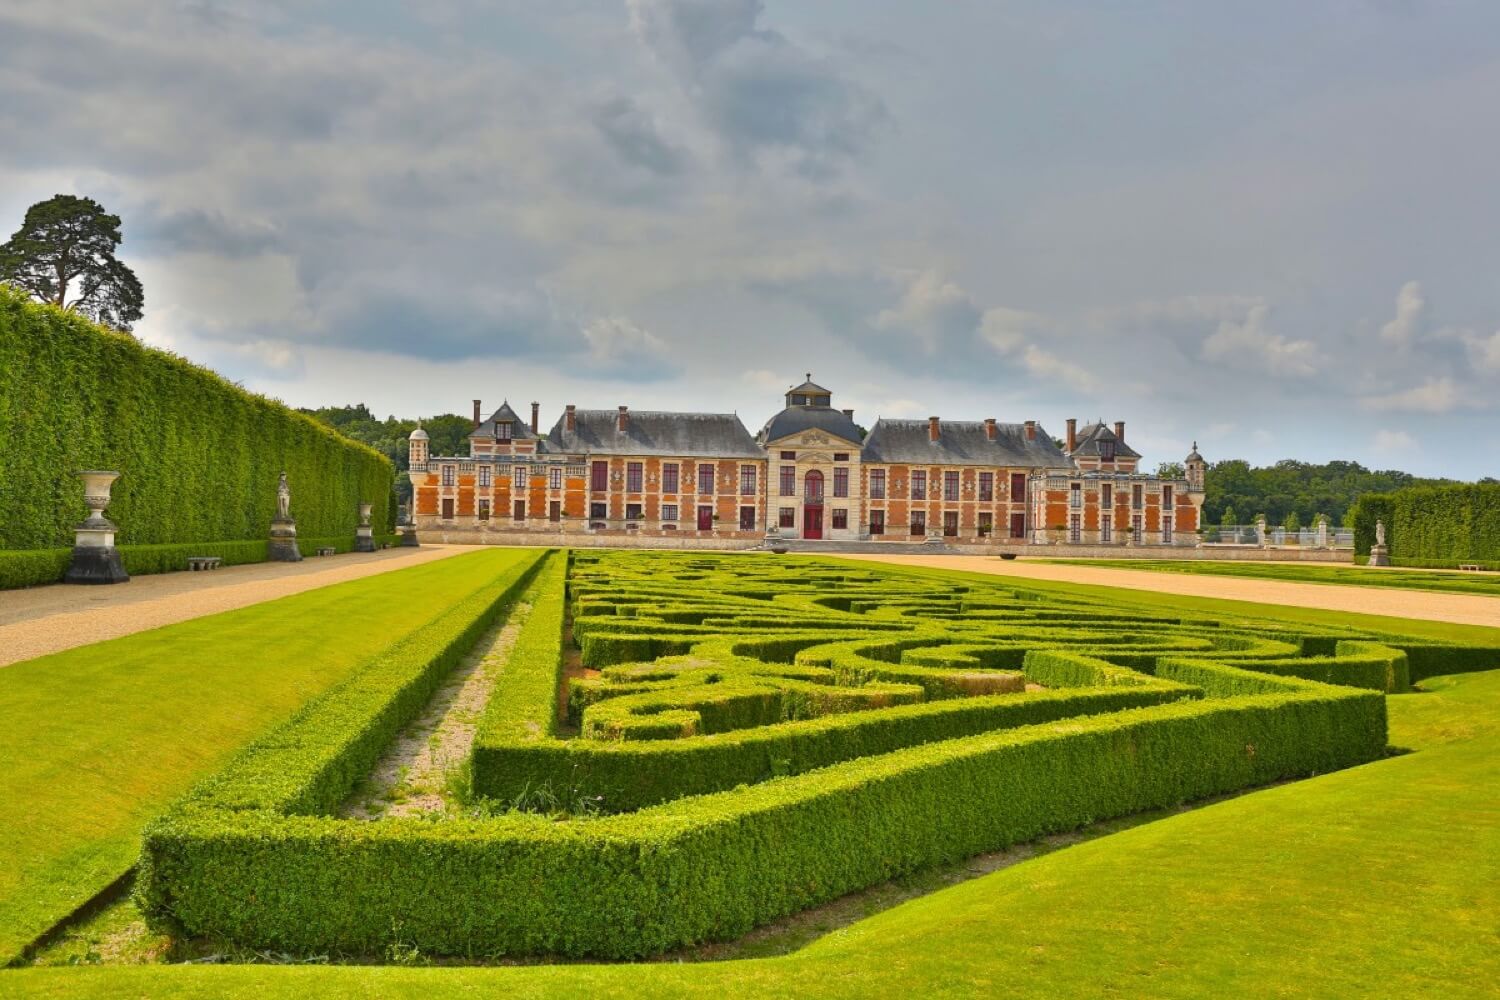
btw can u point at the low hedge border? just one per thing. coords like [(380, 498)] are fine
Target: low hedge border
[(36, 567), (713, 867)]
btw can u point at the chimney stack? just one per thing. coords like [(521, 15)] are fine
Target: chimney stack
[(535, 411), (989, 428), (623, 420), (477, 421), (849, 414), (1120, 430), (1072, 434), (934, 430), (1031, 430), (570, 418)]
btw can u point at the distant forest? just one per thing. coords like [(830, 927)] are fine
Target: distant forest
[(1234, 487)]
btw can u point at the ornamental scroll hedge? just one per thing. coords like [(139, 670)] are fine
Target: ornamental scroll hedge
[(1434, 526), (199, 456)]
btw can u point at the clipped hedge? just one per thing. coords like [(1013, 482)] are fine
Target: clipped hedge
[(714, 866), (199, 457), (1434, 526)]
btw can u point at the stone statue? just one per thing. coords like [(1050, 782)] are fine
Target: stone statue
[(283, 500), (1379, 532)]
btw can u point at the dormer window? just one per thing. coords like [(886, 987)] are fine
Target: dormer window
[(502, 430), (1107, 450)]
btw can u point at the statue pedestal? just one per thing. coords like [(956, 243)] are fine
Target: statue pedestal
[(95, 558), (1379, 556), (408, 533), (283, 544), (364, 538)]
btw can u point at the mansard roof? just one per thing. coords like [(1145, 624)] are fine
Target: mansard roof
[(796, 419), (961, 442), (1090, 437), (652, 432), (520, 430)]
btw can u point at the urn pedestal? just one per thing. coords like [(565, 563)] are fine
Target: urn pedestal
[(283, 542), (1379, 556), (364, 535), (95, 558)]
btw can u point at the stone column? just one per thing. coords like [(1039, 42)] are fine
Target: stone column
[(1260, 532), (1322, 538), (364, 535), (95, 558)]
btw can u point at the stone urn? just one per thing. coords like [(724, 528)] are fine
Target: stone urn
[(364, 535), (95, 558)]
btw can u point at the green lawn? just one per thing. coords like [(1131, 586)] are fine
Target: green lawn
[(1381, 880), (1350, 576), (96, 740)]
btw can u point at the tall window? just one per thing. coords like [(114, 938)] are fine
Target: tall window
[(502, 430), (706, 480), (484, 510), (919, 484), (840, 482), (919, 522), (747, 518), (1107, 450), (554, 510), (1018, 526), (950, 484), (986, 486), (877, 487), (633, 477), (747, 480), (841, 517), (1106, 496), (1166, 497), (669, 512), (788, 484), (599, 476), (447, 475), (1018, 487), (950, 523), (986, 523), (518, 511), (1137, 498), (1075, 527), (1106, 529), (812, 486), (554, 477), (669, 479), (1166, 528), (877, 522), (1075, 495), (518, 476), (484, 475), (1137, 521)]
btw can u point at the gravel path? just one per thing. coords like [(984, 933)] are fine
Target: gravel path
[(45, 620), (1461, 609)]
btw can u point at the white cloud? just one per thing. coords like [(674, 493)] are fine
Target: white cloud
[(935, 310), (1393, 440), (1049, 366), (1403, 329), (1250, 343), (1435, 395), (616, 345), (1484, 351)]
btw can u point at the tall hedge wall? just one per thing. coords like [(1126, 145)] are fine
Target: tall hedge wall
[(1438, 526), (199, 457)]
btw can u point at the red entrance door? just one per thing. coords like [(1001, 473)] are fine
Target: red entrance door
[(705, 518), (812, 500)]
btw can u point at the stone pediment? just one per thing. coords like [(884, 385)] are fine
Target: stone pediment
[(815, 456)]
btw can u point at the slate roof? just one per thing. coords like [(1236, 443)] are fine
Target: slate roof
[(812, 387), (1090, 437), (520, 430), (653, 432), (961, 442), (795, 419)]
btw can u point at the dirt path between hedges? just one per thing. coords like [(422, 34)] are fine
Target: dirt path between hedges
[(415, 774), (49, 619), (1461, 609)]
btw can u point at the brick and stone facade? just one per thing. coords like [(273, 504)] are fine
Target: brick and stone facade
[(701, 480)]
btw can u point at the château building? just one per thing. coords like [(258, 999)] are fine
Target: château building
[(701, 479)]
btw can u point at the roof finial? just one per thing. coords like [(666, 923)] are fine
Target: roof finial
[(809, 376)]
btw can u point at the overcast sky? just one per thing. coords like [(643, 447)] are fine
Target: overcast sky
[(1271, 227)]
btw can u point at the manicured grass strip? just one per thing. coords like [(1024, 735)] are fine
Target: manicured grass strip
[(96, 740), (1353, 884), (1346, 576)]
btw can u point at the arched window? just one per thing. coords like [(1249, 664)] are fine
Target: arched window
[(812, 487)]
